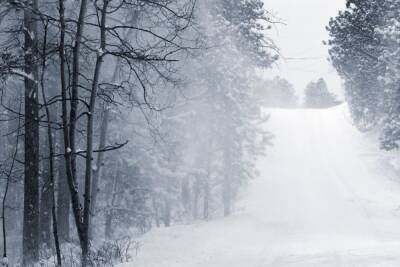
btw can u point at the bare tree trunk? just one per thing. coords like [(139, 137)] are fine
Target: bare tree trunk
[(226, 195), (63, 201), (65, 174), (76, 57), (206, 206), (73, 187), (99, 164), (89, 134), (207, 189), (156, 210), (50, 219), (103, 132), (167, 212), (185, 196), (69, 125), (31, 180), (227, 186), (110, 211), (45, 191), (3, 218), (65, 177), (49, 205), (14, 190), (227, 161), (8, 182), (103, 135), (45, 204), (196, 195)]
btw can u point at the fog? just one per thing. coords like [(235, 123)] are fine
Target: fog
[(184, 133), (300, 37)]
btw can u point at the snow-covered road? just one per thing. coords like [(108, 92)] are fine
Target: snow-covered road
[(323, 198)]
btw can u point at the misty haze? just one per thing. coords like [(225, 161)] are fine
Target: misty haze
[(200, 133)]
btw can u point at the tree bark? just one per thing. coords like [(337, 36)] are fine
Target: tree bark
[(63, 201), (45, 203), (7, 189), (99, 164), (31, 174), (15, 189), (89, 134), (49, 218), (76, 57), (73, 187), (69, 125)]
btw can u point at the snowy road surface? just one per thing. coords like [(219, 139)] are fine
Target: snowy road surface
[(324, 198)]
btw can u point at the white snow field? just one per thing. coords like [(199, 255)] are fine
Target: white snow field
[(324, 198)]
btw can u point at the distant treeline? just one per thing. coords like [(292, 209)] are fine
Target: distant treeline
[(280, 93)]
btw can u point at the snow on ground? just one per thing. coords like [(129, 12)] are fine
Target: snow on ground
[(324, 198)]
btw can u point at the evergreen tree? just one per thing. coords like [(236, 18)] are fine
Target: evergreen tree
[(389, 80), (355, 48), (277, 92), (317, 95), (367, 59)]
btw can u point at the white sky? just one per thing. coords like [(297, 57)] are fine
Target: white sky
[(302, 37)]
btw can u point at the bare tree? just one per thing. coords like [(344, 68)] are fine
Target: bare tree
[(49, 200), (8, 177)]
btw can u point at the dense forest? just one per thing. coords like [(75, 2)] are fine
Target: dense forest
[(364, 49), (124, 115)]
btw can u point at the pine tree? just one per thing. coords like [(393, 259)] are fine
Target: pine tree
[(317, 95), (355, 48), (367, 59)]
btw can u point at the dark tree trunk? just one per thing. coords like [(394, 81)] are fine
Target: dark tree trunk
[(7, 188), (48, 214), (31, 176), (45, 205), (46, 191), (65, 178), (63, 201), (14, 190), (47, 187), (68, 125)]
